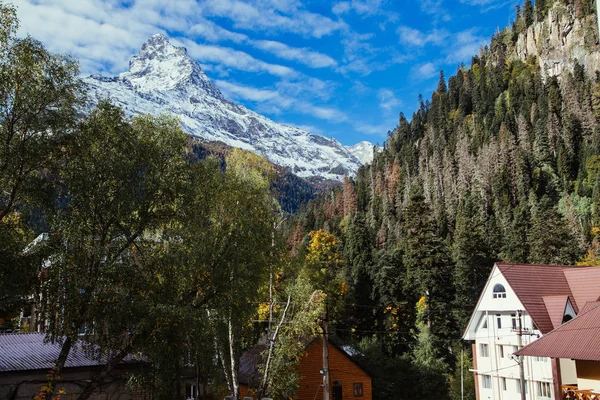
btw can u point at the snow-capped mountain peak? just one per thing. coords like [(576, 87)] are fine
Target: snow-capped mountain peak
[(163, 78), (363, 151), (162, 66)]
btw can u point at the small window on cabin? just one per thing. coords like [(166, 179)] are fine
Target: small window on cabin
[(499, 291), (358, 389), (499, 321)]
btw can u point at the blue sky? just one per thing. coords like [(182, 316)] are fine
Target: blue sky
[(344, 69)]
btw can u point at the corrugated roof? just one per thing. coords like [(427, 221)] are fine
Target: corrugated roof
[(584, 283), (249, 362), (28, 351), (578, 339), (532, 282), (589, 305), (555, 305)]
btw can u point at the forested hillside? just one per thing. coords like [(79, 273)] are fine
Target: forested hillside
[(502, 163)]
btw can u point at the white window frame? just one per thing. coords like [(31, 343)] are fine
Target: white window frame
[(486, 381), (484, 350), (544, 389)]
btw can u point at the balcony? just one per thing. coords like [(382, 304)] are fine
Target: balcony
[(571, 392)]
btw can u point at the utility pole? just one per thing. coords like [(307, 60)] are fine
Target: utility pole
[(521, 364), (462, 375), (325, 356)]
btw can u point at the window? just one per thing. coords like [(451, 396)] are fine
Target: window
[(358, 389), (514, 320), (500, 351), (484, 326), (483, 350), (540, 359), (504, 384), (499, 291), (486, 381), (519, 386), (499, 321), (544, 389)]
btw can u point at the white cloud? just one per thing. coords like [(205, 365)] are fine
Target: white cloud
[(302, 55), (245, 92), (424, 71), (234, 59), (465, 45), (488, 5), (416, 38), (375, 129), (214, 33), (274, 101), (387, 100), (282, 16), (362, 7), (104, 35)]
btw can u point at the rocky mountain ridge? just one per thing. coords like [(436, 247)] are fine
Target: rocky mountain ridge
[(560, 39)]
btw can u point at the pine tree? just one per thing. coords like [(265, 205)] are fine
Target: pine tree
[(550, 239), (472, 256)]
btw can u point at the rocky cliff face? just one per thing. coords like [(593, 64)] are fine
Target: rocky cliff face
[(162, 78), (559, 40)]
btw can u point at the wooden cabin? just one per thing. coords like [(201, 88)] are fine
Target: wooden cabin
[(347, 379)]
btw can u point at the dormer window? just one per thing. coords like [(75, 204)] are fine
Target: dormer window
[(499, 291)]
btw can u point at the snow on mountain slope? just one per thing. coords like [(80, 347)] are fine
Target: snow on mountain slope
[(162, 78), (363, 151)]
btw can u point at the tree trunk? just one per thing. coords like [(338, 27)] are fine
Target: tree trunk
[(263, 386), (233, 359), (54, 375)]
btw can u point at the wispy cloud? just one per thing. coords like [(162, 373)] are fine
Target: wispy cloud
[(464, 45), (488, 5), (375, 129), (282, 98), (424, 71), (264, 15), (239, 60), (435, 8), (302, 55), (387, 100), (416, 38), (362, 7)]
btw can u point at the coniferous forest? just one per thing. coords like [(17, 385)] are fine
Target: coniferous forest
[(140, 240), (502, 163)]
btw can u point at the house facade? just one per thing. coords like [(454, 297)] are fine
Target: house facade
[(347, 379), (579, 340), (519, 304), (26, 358)]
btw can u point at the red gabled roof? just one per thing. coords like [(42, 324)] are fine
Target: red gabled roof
[(578, 339), (556, 306), (584, 283), (532, 282)]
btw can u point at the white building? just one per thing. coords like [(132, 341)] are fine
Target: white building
[(543, 296)]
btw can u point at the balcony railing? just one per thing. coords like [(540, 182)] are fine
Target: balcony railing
[(572, 392)]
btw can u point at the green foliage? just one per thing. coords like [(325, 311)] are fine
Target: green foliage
[(39, 92)]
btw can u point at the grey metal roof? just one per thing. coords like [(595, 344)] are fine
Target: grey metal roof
[(29, 351)]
